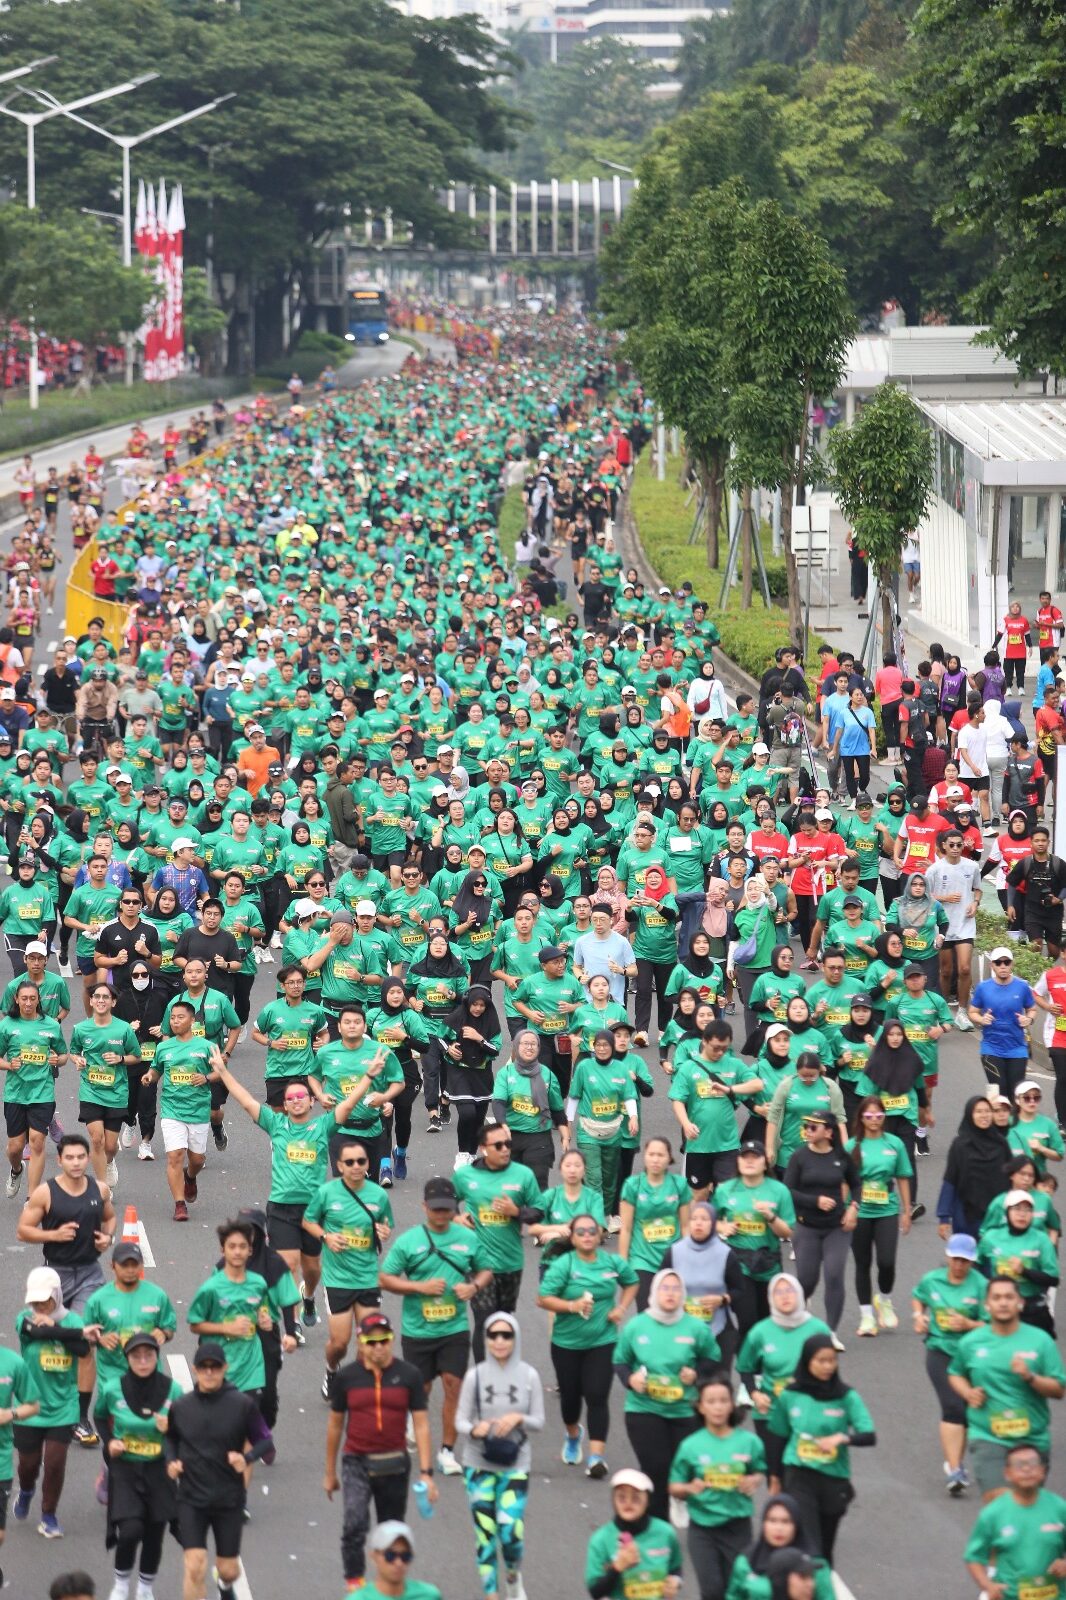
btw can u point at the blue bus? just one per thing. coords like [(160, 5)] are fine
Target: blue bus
[(368, 315)]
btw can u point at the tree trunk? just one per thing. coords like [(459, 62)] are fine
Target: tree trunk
[(888, 608), (795, 609), (745, 548), (715, 478)]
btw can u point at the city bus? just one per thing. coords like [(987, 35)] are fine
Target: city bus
[(368, 315)]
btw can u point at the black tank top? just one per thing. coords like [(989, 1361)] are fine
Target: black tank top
[(87, 1210)]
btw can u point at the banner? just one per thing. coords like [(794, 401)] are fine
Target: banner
[(159, 237)]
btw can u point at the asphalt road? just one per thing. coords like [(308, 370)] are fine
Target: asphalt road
[(903, 1534)]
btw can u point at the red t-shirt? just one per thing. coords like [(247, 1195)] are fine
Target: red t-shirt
[(1049, 626), (1055, 979), (888, 685), (946, 796), (1012, 851), (921, 836), (764, 845), (1015, 629)]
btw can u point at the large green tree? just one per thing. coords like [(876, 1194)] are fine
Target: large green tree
[(989, 81), (340, 105)]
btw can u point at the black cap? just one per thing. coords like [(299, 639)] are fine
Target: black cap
[(141, 1340), (439, 1193), (752, 1147), (852, 900), (861, 1000), (914, 969), (918, 801), (376, 1322), (127, 1250), (551, 952), (210, 1353), (862, 800)]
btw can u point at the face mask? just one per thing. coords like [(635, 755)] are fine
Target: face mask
[(140, 983)]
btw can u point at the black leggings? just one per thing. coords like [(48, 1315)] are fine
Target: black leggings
[(856, 773), (906, 1132), (1058, 1062), (651, 973), (713, 1553), (149, 1536), (469, 1116), (823, 1502), (399, 1125), (655, 1441), (880, 1234), (585, 1376), (141, 1106), (805, 905), (243, 983), (53, 1452)]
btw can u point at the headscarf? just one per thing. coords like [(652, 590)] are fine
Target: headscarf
[(775, 961), (488, 1024), (914, 910), (761, 1554), (597, 823), (654, 1311), (55, 1291), (387, 988), (466, 902), (976, 1164), (804, 1382), (553, 900), (533, 1072), (883, 953), (446, 966), (781, 1566), (895, 1071), (146, 1396), (700, 966), (791, 1319), (686, 1020)]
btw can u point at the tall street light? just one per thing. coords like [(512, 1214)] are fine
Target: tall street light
[(127, 142), (30, 121)]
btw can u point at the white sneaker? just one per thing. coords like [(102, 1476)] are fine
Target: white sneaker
[(838, 1344), (145, 1151), (447, 1465), (257, 955), (144, 1590), (242, 1036), (614, 1225), (962, 1021), (513, 1587), (268, 958), (125, 1138), (886, 1312), (14, 1183), (679, 1513), (867, 1328), (275, 940), (463, 1158), (120, 1590), (112, 1173)]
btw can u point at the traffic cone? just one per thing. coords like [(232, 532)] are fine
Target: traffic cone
[(131, 1229)]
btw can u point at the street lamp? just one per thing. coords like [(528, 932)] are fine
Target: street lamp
[(30, 121), (127, 142), (616, 166)]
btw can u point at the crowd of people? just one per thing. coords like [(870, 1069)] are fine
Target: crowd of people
[(360, 836)]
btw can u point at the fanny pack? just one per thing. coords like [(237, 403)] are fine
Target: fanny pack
[(386, 1463)]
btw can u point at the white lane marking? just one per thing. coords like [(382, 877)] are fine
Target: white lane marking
[(841, 1588), (241, 1588), (181, 1372), (146, 1249)]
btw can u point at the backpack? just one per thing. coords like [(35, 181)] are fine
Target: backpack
[(917, 725), (792, 729)]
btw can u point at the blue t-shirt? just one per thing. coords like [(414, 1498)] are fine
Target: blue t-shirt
[(854, 738), (833, 708), (1004, 1036)]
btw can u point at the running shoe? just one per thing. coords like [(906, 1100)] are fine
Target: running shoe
[(242, 1036), (300, 1336), (917, 1211), (120, 1589), (385, 1174), (275, 940), (112, 1172), (86, 1435), (14, 1183), (144, 1590), (326, 1376), (838, 1343), (571, 1451), (447, 1465), (597, 1467), (922, 1148), (310, 1311), (445, 1112), (614, 1225), (100, 1487), (48, 1527), (434, 1122), (463, 1158), (125, 1138), (145, 1151), (886, 1312), (55, 1130), (181, 1211), (867, 1328), (956, 1482), (220, 1136), (640, 1039), (191, 1190), (23, 1501), (962, 1021), (679, 1513), (399, 1165), (267, 958), (513, 1587)]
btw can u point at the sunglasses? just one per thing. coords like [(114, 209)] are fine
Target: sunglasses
[(500, 1144), (353, 1161), (1002, 963), (582, 1232), (499, 1333), (1029, 1097), (405, 1556), (375, 1338)]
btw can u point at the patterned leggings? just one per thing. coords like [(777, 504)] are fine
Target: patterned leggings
[(498, 1507)]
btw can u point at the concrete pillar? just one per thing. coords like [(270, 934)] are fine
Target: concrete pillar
[(555, 215), (514, 219), (596, 216), (534, 217), (492, 219), (575, 221)]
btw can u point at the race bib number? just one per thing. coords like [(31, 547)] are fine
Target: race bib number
[(664, 1389), (148, 1049), (1009, 1425), (1038, 1589), (301, 1155), (725, 1478), (491, 1219), (145, 1449), (604, 1108), (32, 1056), (943, 1320), (695, 1309), (874, 1194), (751, 1227), (523, 1108), (920, 851), (895, 1102), (814, 1451), (705, 1089), (355, 1241), (104, 1077), (294, 1041), (182, 1079), (439, 1310), (643, 1588), (56, 1361), (658, 1232)]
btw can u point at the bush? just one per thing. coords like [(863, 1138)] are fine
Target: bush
[(308, 363), (992, 930), (512, 520), (65, 414), (329, 344)]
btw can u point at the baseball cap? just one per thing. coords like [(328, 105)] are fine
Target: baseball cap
[(439, 1194), (919, 802), (376, 1322), (774, 1029), (821, 813), (387, 1533), (914, 969), (630, 1478), (760, 749), (209, 1354), (1001, 953), (1017, 1197), (862, 800), (962, 1245), (36, 948), (42, 1283), (1028, 1087), (141, 1340), (127, 1250), (182, 844), (861, 1000), (551, 952), (852, 900), (445, 750), (365, 908), (342, 916), (752, 1147), (305, 908)]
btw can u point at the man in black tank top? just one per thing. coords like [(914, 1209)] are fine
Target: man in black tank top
[(72, 1217)]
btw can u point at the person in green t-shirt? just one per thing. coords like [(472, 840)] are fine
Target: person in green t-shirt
[(1017, 1550), (352, 1217), (623, 1565), (101, 1048), (31, 1048), (299, 1165), (884, 1213), (389, 1542), (653, 1207), (51, 1342), (291, 1028), (947, 1303), (128, 1304), (183, 1064), (702, 1092), (234, 1305), (588, 1293), (715, 1473), (19, 1400), (498, 1195)]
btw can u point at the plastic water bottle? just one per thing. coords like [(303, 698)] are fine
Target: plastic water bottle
[(422, 1500)]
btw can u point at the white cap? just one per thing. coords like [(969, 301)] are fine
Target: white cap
[(122, 777), (821, 813), (1018, 1197), (182, 844), (760, 749), (387, 1533), (1028, 1087), (112, 772), (254, 727), (630, 1478), (304, 908), (775, 1028), (7, 694), (36, 948), (42, 1283), (1001, 953), (366, 908)]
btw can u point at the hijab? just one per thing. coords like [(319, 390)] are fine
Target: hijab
[(761, 1553), (467, 903), (146, 1396), (775, 961), (977, 1160), (487, 1024), (790, 1319), (686, 1020), (533, 1072), (883, 953), (895, 1071), (393, 1011), (914, 910), (781, 1566), (597, 823), (804, 1382), (554, 898), (700, 966), (446, 966), (655, 1311)]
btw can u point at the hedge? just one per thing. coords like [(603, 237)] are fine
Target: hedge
[(993, 929), (68, 414)]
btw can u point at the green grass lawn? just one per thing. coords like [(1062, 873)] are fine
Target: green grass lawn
[(64, 414)]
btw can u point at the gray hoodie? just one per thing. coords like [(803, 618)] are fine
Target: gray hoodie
[(491, 1389)]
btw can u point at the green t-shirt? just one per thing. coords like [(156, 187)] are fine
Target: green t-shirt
[(340, 1069), (419, 1254), (883, 1161), (27, 1046), (663, 1350), (300, 1154), (500, 1237), (53, 1369), (25, 910), (139, 1433), (918, 1013), (179, 1062), (1013, 1413), (736, 1201), (104, 1083), (771, 1353), (53, 996), (557, 1208), (1038, 1130), (998, 1249), (1020, 1542), (352, 1215), (95, 907), (220, 1299), (297, 1026), (719, 1463), (705, 1105), (656, 1217), (544, 994), (18, 1387), (511, 1087), (803, 1421), (660, 1556), (569, 1277), (142, 1309), (941, 1298)]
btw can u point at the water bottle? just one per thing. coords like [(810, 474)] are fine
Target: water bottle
[(422, 1500)]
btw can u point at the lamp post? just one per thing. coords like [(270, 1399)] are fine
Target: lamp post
[(30, 121), (127, 142)]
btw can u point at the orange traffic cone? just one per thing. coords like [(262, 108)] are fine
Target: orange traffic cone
[(131, 1229)]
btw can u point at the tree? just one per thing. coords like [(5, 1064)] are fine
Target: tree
[(882, 477), (202, 320), (788, 325), (989, 80)]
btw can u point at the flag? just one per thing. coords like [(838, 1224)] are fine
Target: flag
[(173, 333)]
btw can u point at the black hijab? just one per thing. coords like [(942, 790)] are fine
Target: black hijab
[(977, 1163), (781, 1566), (146, 1396), (895, 1071), (554, 898), (466, 902), (803, 1380), (761, 1553), (488, 1024), (881, 946), (447, 966), (699, 966)]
